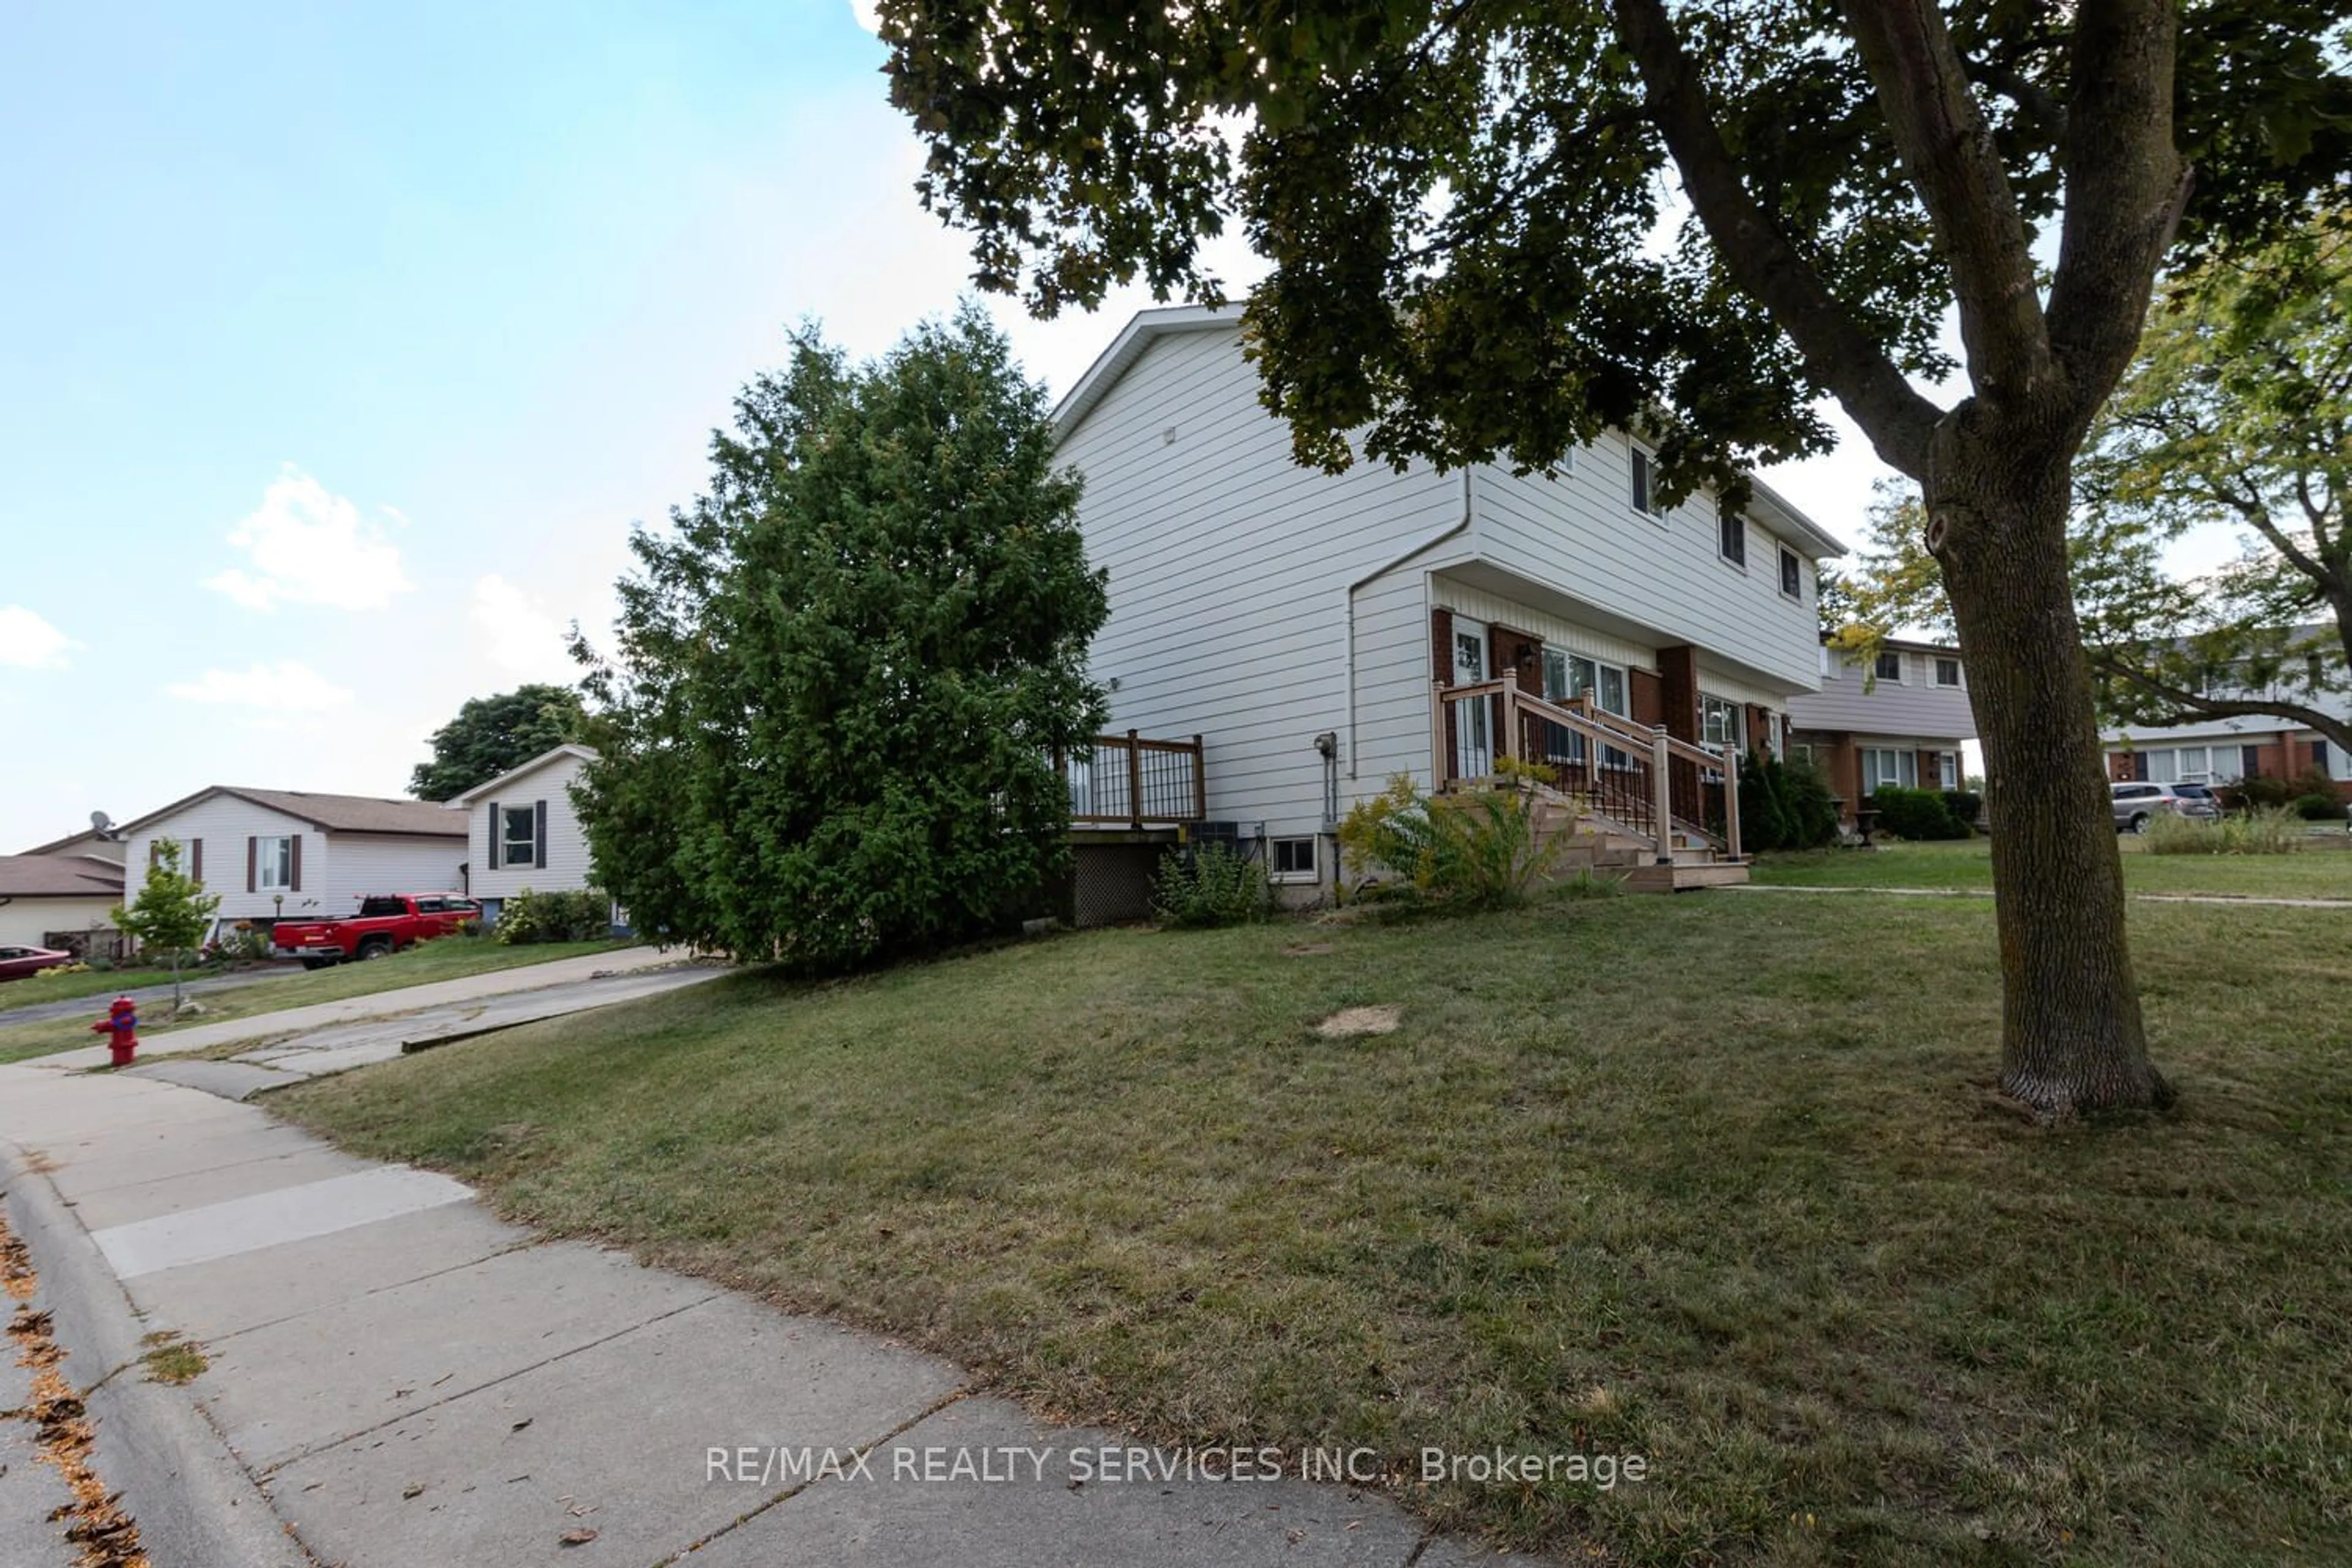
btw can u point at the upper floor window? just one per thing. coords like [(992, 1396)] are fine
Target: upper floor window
[(1792, 574), (1890, 665), (1645, 485), (1731, 537), (1947, 672), (519, 835)]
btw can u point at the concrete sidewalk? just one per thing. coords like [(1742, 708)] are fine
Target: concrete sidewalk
[(400, 1378), (377, 1005)]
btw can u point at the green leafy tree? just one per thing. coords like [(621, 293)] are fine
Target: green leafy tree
[(840, 678), (171, 912), (2237, 411), (1474, 254), (491, 735)]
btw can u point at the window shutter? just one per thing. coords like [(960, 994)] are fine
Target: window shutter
[(538, 835), (197, 860), (252, 862), (294, 877), (498, 826)]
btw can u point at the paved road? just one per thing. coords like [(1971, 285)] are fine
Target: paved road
[(93, 1005)]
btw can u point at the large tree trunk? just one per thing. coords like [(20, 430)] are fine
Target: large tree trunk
[(2072, 1040)]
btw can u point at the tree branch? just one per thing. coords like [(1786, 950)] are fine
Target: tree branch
[(2251, 506), (2125, 186), (1838, 353), (1947, 148), (2038, 102), (2190, 705)]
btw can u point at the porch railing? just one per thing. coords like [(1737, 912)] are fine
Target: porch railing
[(1646, 780), (1132, 780)]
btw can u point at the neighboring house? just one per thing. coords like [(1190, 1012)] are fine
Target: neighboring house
[(2225, 751), (1308, 625), (273, 854), (1899, 721), (63, 900), (524, 832)]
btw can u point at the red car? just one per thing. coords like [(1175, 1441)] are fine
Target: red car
[(20, 962), (386, 923)]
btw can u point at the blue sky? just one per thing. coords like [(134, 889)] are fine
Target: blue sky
[(343, 345)]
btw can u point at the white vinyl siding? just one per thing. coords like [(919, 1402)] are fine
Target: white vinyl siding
[(1848, 701), (567, 868), (1569, 534), (1230, 567), (337, 868), (1245, 589)]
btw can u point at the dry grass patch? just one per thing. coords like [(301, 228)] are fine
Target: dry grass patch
[(1709, 1179)]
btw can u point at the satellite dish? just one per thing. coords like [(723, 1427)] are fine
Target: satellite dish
[(100, 824)]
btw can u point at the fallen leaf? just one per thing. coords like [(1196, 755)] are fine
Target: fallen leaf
[(411, 1490), (575, 1537), (522, 1423)]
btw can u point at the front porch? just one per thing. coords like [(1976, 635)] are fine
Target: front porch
[(1659, 812)]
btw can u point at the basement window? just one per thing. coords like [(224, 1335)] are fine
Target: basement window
[(1293, 859)]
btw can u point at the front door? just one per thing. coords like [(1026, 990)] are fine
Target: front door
[(1473, 735)]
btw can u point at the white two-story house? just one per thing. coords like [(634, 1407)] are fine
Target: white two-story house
[(276, 854), (1900, 721), (1309, 627)]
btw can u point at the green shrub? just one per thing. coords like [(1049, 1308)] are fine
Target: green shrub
[(1210, 886), (2317, 807), (1965, 804), (1477, 851), (2247, 794), (1916, 814), (1763, 816), (2264, 830), (529, 917), (1808, 806)]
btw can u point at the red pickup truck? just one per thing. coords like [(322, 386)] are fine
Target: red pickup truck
[(386, 923)]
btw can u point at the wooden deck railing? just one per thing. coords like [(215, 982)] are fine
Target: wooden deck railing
[(1644, 779), (1129, 780)]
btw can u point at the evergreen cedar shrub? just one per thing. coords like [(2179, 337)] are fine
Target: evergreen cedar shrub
[(1965, 804), (1784, 804), (1916, 814), (841, 681), (2317, 807), (1210, 885), (529, 917)]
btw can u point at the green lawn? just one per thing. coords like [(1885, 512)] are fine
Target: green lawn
[(53, 988), (1712, 1179), (447, 959), (2323, 870)]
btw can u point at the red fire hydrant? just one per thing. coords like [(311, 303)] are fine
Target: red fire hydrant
[(121, 1025)]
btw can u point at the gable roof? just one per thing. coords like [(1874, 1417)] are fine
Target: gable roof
[(1148, 327), (570, 749), (59, 877), (331, 813), (91, 837)]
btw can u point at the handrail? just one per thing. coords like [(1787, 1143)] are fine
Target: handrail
[(1584, 716)]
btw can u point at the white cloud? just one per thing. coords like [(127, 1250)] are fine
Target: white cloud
[(311, 546), (518, 633), (28, 642), (285, 687), (868, 18)]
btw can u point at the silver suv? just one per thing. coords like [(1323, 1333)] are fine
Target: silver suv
[(2135, 804)]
